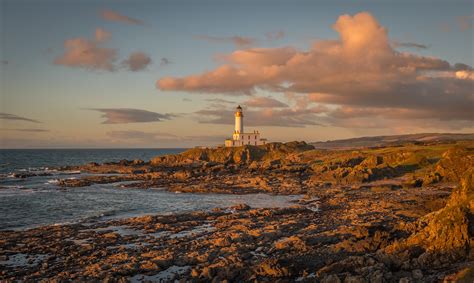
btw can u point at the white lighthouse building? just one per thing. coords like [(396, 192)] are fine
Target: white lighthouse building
[(240, 138)]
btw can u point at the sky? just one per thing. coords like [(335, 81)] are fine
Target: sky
[(120, 74)]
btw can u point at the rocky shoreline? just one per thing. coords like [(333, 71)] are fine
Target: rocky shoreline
[(396, 214)]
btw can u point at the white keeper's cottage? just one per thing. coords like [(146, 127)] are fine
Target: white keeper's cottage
[(240, 138)]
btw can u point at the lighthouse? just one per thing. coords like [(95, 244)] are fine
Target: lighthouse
[(240, 138), (239, 120)]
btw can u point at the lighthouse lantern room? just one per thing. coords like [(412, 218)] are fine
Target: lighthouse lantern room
[(240, 138)]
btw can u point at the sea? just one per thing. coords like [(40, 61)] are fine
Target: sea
[(34, 201)]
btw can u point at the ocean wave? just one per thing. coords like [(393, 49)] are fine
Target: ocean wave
[(100, 215), (15, 187), (52, 181), (72, 172)]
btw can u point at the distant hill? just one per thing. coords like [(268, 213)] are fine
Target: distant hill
[(390, 140)]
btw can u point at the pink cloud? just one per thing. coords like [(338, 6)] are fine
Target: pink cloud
[(116, 17), (88, 54), (102, 35), (91, 54), (264, 102)]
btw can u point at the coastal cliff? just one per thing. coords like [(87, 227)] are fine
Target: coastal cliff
[(238, 155)]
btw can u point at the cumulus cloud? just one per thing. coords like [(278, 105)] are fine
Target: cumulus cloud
[(239, 41), (129, 115), (359, 70), (88, 54), (113, 16), (12, 117), (264, 102), (137, 61)]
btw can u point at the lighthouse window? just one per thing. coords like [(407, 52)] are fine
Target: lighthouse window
[(249, 137)]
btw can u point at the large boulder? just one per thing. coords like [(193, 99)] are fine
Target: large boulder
[(454, 164), (445, 235)]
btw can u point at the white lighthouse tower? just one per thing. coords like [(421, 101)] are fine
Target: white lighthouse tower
[(240, 138), (239, 120)]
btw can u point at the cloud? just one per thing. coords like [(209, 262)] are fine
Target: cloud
[(26, 130), (91, 55), (12, 117), (250, 68), (274, 35), (397, 44), (113, 16), (137, 61), (129, 115), (263, 117), (359, 70), (88, 54), (220, 100), (139, 135), (149, 138), (5, 62), (187, 100), (219, 103), (164, 61), (264, 102), (102, 35), (238, 41), (394, 118)]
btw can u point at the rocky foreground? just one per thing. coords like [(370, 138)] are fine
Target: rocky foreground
[(391, 214)]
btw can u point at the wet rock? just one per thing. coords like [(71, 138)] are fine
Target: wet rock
[(417, 274), (271, 268), (292, 242), (240, 207)]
